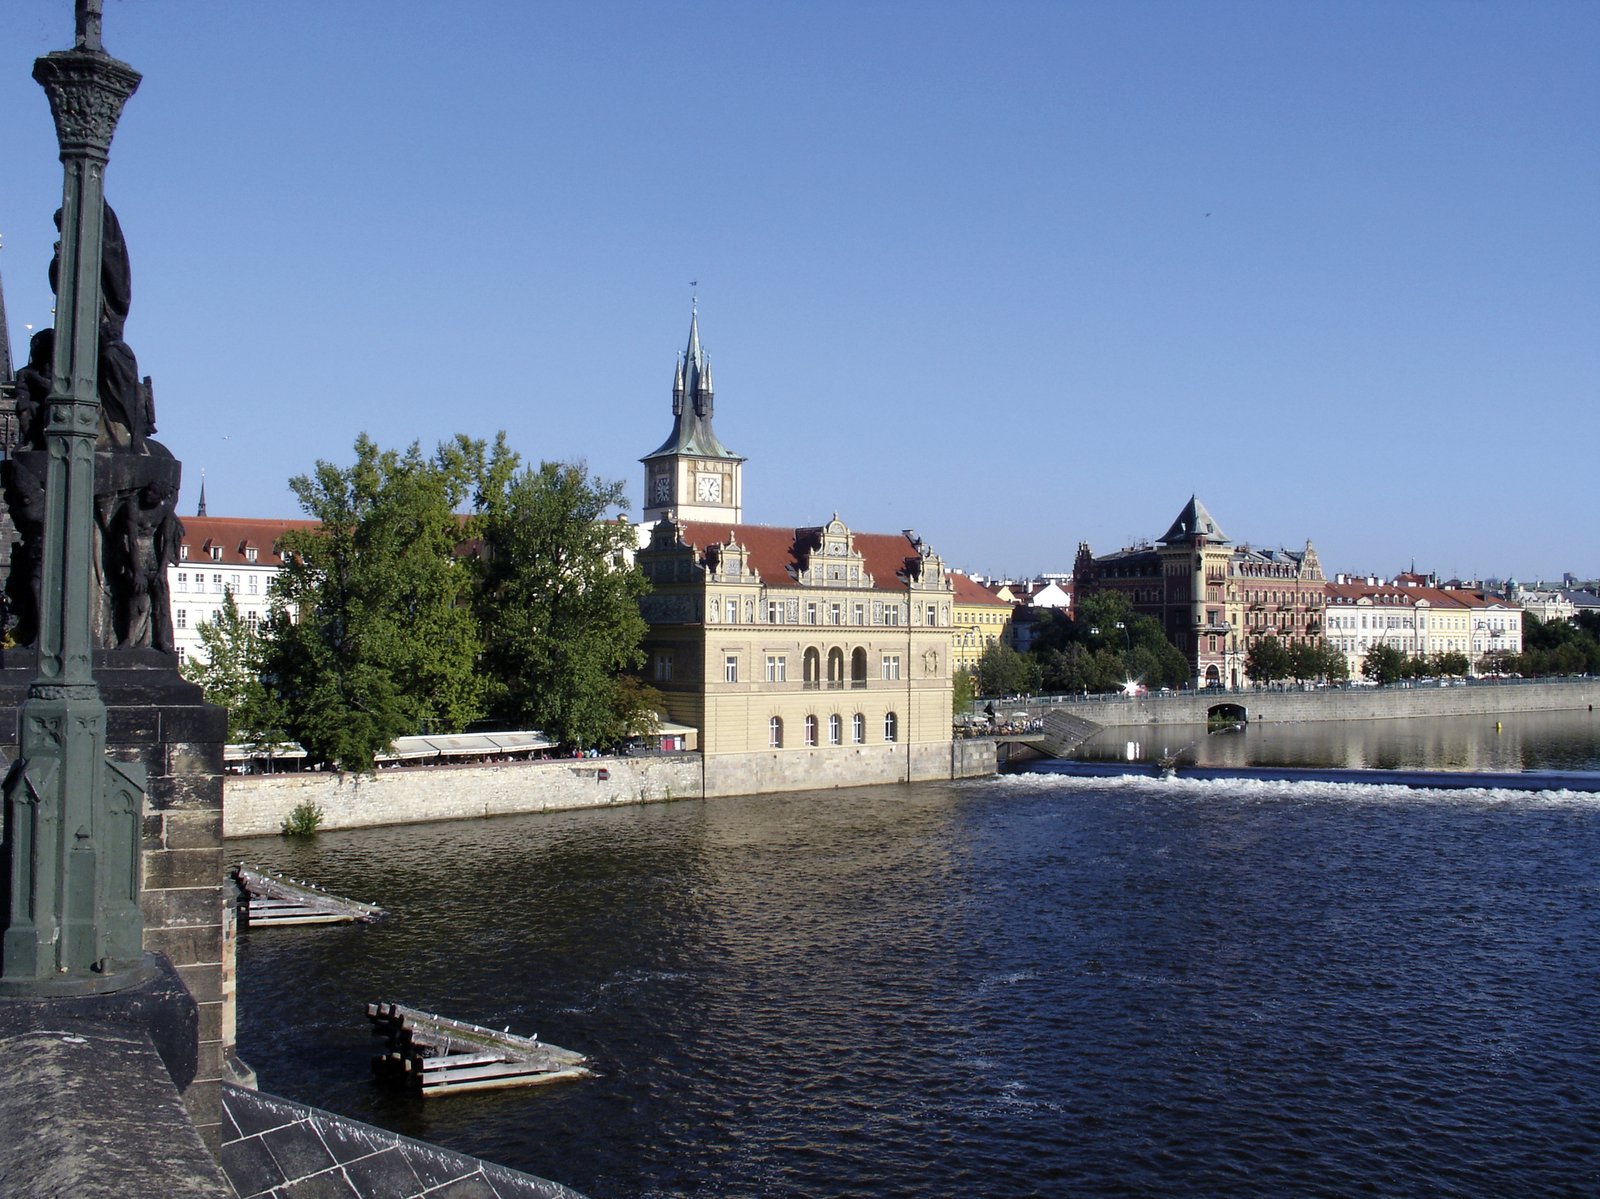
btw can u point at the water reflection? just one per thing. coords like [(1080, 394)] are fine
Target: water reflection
[(1012, 987), (1514, 742)]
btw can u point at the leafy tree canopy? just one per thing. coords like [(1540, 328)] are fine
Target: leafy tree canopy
[(230, 676), (371, 635), (559, 600)]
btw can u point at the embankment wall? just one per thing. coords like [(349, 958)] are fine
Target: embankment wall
[(257, 805)]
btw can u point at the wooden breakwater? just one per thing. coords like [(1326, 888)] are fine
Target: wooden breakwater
[(267, 898), (437, 1056)]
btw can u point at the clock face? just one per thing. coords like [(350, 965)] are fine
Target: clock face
[(663, 489), (708, 487)]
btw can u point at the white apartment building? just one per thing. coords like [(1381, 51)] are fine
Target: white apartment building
[(219, 555), (1417, 620)]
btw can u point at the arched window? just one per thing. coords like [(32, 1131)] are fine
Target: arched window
[(811, 730), (813, 665), (858, 665), (891, 726), (775, 732), (836, 665), (835, 729), (858, 728)]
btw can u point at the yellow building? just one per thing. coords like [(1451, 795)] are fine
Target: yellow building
[(982, 619)]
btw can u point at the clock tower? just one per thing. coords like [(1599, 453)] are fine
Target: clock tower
[(692, 475)]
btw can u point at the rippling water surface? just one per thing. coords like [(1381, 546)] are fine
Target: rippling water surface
[(1015, 987)]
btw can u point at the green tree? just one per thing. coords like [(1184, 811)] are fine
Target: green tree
[(963, 690), (371, 635), (1385, 664), (230, 676), (558, 599), (1003, 671), (1103, 645), (1267, 661)]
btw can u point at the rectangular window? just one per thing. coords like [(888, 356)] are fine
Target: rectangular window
[(253, 619), (891, 667), (774, 612), (891, 614), (730, 669), (811, 612), (183, 580), (663, 661), (250, 553), (733, 611), (777, 668), (253, 582), (835, 613), (860, 614), (216, 582), (181, 618)]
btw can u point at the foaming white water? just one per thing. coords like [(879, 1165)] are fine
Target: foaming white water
[(1264, 790)]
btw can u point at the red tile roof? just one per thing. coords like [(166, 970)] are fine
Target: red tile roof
[(234, 535), (970, 591), (776, 554)]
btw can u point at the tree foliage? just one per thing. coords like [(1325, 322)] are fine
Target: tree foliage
[(1003, 671), (1555, 647), (1385, 664), (371, 635), (559, 600), (963, 690), (1267, 661), (230, 676), (1103, 645)]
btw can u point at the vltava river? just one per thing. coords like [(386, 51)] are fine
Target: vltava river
[(1023, 986)]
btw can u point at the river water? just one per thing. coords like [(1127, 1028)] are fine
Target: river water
[(1022, 986)]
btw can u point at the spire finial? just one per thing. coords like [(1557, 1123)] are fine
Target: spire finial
[(88, 22), (694, 296), (201, 510), (5, 335)]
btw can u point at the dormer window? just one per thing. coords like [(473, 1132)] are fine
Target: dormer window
[(183, 553), (249, 553), (216, 553)]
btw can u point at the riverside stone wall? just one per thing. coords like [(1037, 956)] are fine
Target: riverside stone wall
[(258, 804)]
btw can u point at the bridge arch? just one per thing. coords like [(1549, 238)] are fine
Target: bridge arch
[(1222, 715)]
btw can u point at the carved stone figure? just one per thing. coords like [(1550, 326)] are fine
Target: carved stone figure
[(135, 533), (148, 545)]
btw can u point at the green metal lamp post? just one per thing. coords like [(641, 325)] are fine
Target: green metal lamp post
[(72, 919)]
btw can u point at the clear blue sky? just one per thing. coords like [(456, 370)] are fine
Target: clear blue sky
[(1012, 274)]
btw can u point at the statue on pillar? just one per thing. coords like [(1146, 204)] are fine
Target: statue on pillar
[(136, 532)]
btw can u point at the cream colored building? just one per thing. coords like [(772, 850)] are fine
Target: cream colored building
[(1418, 620), (815, 656), (806, 657)]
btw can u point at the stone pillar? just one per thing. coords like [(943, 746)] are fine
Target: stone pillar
[(72, 915)]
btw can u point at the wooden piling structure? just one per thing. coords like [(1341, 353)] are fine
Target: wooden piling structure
[(436, 1055), (266, 898)]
